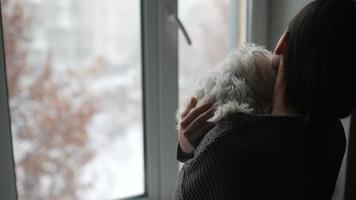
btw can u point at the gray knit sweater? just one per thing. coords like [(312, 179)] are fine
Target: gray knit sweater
[(249, 156)]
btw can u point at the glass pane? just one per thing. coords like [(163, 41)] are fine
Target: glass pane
[(74, 80), (208, 25)]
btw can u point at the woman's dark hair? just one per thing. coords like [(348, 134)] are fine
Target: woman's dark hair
[(320, 59)]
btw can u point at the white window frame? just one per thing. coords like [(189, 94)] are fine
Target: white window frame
[(249, 25), (160, 83), (7, 166), (160, 89)]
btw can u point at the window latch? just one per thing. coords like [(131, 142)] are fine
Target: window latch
[(183, 29), (174, 15)]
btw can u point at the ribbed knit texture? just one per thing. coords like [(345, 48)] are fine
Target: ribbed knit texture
[(249, 156)]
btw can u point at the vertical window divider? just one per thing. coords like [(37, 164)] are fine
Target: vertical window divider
[(160, 89), (7, 166), (257, 22), (248, 21)]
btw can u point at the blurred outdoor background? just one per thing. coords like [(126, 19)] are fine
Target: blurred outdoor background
[(75, 91)]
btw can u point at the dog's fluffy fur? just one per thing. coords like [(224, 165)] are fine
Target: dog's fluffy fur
[(243, 82)]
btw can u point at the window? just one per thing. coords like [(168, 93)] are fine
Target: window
[(75, 97), (215, 27), (208, 25), (93, 91)]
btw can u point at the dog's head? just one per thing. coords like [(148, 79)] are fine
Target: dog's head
[(242, 82)]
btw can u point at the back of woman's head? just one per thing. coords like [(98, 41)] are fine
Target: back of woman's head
[(320, 59)]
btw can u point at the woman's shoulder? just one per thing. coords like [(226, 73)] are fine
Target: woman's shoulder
[(244, 130), (261, 119), (276, 151)]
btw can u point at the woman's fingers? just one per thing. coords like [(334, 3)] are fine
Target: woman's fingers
[(189, 141), (194, 124), (192, 104), (191, 116), (199, 133), (199, 125)]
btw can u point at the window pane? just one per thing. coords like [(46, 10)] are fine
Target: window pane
[(208, 25), (74, 80)]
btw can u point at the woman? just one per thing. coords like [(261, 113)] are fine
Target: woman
[(296, 151)]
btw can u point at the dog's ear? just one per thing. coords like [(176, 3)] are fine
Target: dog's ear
[(280, 47)]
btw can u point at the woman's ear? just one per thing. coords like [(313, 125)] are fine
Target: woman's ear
[(281, 45)]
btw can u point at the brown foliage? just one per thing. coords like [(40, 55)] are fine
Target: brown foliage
[(45, 118), (15, 23)]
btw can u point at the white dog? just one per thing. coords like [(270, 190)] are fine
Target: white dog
[(243, 82)]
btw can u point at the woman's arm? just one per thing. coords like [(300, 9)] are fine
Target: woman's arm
[(202, 176)]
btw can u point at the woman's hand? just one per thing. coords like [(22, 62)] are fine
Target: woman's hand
[(194, 125)]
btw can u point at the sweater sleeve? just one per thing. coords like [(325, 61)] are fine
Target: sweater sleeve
[(182, 156), (201, 177)]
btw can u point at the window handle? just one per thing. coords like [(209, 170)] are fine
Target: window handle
[(183, 29)]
